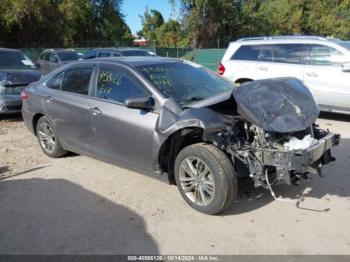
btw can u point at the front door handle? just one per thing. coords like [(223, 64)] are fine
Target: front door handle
[(263, 68), (312, 74), (49, 99), (95, 111)]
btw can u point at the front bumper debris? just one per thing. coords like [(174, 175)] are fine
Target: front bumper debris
[(300, 160), (10, 104)]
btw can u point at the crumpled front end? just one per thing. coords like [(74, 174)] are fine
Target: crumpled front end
[(274, 135), (278, 157), (12, 83)]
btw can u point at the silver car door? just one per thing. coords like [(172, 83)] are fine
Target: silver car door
[(326, 79), (121, 135), (66, 103)]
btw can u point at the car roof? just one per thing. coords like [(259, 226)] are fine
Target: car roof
[(118, 49), (57, 50), (285, 39), (2, 49), (132, 61)]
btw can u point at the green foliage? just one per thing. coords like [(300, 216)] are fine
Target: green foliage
[(163, 34), (205, 21), (170, 34), (151, 21), (62, 22)]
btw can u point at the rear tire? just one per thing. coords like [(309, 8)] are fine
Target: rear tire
[(48, 139), (205, 178)]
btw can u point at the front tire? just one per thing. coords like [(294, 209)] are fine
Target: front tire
[(205, 178), (48, 139)]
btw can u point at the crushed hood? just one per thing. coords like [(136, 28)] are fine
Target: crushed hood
[(278, 105), (19, 77)]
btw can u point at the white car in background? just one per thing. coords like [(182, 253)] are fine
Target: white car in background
[(323, 64)]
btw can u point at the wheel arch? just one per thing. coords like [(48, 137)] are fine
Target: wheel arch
[(243, 80), (35, 120), (174, 144)]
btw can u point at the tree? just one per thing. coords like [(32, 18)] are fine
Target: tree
[(208, 20), (62, 22), (170, 34), (151, 20)]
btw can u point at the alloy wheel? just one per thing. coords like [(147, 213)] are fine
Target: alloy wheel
[(47, 137), (197, 181)]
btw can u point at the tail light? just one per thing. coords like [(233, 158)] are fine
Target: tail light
[(221, 69), (24, 96)]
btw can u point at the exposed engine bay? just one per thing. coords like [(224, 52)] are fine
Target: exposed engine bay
[(287, 157), (274, 135)]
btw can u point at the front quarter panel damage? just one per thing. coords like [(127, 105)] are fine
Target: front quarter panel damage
[(175, 125)]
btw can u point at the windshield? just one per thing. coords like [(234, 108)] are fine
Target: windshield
[(185, 82), (68, 56), (15, 60)]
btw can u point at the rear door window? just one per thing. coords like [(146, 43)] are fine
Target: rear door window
[(290, 53), (55, 82), (324, 55), (104, 54), (77, 80), (90, 54), (284, 53), (266, 54), (117, 84), (247, 52)]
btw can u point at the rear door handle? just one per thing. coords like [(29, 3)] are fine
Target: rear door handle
[(95, 111), (49, 99), (312, 74), (263, 68)]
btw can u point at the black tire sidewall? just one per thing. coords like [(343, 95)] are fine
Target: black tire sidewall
[(222, 185)]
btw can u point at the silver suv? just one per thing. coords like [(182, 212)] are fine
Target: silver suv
[(50, 59), (323, 64)]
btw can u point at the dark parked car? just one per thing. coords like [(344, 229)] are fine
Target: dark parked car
[(50, 59), (174, 119), (114, 52), (16, 72)]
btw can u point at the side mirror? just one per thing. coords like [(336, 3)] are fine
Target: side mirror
[(140, 102), (345, 67)]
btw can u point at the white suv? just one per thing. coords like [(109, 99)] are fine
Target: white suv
[(323, 64)]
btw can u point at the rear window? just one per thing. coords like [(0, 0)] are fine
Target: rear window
[(68, 56), (247, 52)]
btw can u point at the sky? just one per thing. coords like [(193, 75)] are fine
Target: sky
[(133, 8)]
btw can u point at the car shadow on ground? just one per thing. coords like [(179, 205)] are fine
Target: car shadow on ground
[(11, 117), (55, 216), (335, 182)]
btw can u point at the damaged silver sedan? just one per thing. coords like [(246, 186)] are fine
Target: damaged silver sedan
[(176, 120)]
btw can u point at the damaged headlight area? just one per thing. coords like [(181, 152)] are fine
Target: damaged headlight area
[(283, 157)]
